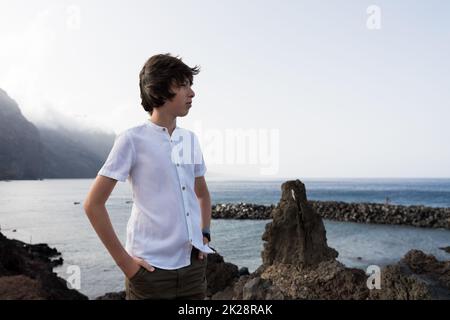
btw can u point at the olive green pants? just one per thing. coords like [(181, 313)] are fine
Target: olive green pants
[(184, 283)]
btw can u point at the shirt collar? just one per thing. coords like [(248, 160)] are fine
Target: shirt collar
[(157, 127)]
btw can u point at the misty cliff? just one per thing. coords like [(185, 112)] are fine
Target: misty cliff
[(31, 152), (20, 143)]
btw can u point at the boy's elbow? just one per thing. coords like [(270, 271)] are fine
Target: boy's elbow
[(204, 194), (88, 206)]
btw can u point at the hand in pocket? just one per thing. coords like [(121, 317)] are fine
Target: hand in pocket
[(135, 265)]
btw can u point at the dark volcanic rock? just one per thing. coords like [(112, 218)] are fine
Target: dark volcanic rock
[(326, 280), (260, 289), (416, 276), (244, 271), (446, 249), (428, 266), (252, 287), (219, 274), (112, 296), (296, 234), (397, 284), (26, 267), (20, 288)]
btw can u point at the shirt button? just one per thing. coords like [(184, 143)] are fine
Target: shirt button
[(187, 213), (164, 129), (183, 188), (178, 164)]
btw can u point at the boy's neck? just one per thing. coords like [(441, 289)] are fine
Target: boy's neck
[(163, 120)]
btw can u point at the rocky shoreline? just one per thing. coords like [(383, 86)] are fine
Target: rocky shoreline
[(417, 216), (26, 273)]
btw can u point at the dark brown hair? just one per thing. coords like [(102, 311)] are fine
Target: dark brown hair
[(157, 77)]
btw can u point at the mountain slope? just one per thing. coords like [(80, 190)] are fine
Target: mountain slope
[(20, 144), (30, 152)]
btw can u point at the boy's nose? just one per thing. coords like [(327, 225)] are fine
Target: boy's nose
[(192, 93)]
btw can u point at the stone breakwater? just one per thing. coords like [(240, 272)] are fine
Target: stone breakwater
[(241, 211), (417, 216)]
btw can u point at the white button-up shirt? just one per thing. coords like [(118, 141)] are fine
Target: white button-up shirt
[(165, 221)]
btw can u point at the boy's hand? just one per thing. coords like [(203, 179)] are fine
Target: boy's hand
[(135, 264), (201, 255)]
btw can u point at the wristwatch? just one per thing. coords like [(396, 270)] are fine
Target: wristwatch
[(207, 235)]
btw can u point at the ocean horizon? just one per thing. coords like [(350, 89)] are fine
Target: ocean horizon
[(432, 192)]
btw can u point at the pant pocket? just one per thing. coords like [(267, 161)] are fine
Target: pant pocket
[(139, 273)]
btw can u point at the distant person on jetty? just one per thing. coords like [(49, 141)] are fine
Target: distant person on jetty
[(168, 230)]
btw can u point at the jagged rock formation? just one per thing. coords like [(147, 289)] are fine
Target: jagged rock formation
[(297, 262), (296, 234)]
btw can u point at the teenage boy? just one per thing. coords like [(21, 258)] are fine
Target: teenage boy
[(168, 231)]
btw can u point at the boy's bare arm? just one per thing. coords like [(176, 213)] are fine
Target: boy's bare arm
[(95, 209), (204, 199)]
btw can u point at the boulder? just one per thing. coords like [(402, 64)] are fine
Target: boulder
[(446, 249), (417, 276), (112, 296), (219, 274), (20, 288)]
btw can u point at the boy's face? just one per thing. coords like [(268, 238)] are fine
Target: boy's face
[(180, 104)]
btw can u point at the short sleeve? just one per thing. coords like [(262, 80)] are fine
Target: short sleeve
[(120, 159), (199, 162)]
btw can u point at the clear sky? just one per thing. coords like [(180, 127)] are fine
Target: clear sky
[(346, 100)]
